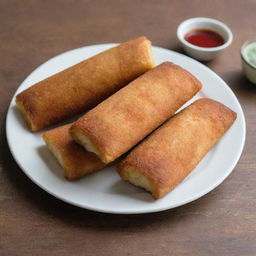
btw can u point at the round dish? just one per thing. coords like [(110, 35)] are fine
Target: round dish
[(104, 191), (248, 68), (203, 53)]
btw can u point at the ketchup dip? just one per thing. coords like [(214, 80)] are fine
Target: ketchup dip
[(204, 38)]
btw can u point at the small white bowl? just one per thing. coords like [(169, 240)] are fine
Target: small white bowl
[(204, 53), (248, 68)]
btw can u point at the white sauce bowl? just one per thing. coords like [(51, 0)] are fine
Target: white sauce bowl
[(204, 53), (248, 68)]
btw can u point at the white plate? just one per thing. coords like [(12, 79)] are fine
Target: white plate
[(104, 191)]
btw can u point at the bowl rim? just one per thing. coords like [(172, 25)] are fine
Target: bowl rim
[(207, 20), (242, 54)]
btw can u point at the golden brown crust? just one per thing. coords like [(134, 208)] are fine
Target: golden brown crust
[(75, 160), (124, 119), (168, 155), (25, 110), (84, 85)]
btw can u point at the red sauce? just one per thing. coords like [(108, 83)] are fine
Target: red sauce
[(204, 38)]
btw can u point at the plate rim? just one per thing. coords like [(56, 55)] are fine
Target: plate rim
[(97, 209)]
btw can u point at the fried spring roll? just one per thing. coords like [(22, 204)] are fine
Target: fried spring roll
[(84, 85), (75, 160), (169, 154), (121, 121)]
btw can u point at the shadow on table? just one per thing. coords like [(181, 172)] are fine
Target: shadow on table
[(239, 83)]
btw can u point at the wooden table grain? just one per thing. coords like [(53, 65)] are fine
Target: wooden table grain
[(33, 222)]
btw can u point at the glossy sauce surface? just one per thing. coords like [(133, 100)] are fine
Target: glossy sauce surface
[(204, 38)]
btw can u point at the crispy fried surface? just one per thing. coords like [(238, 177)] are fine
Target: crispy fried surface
[(121, 121), (168, 155), (85, 84), (76, 161)]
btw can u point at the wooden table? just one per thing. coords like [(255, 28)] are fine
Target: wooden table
[(33, 222)]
